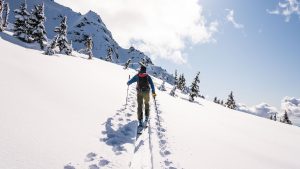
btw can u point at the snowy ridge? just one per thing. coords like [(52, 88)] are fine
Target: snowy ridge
[(90, 24)]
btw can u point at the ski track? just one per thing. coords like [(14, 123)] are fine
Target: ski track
[(150, 150)]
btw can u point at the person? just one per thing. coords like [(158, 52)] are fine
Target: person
[(143, 91)]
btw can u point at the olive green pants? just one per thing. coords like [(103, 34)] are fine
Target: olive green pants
[(143, 97)]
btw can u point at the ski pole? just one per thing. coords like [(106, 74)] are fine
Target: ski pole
[(127, 93)]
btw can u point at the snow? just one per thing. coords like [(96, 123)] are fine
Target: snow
[(90, 24), (69, 112)]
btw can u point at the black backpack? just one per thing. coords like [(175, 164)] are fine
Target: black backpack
[(143, 83)]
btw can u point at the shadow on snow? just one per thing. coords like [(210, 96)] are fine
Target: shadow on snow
[(123, 135)]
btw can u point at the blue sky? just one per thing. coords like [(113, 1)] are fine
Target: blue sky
[(259, 63), (255, 54)]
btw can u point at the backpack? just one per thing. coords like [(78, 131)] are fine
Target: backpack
[(143, 83)]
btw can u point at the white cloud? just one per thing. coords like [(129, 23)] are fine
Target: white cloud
[(287, 9), (230, 18), (262, 110), (291, 105), (161, 27)]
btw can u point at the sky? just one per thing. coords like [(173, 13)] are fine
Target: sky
[(249, 47)]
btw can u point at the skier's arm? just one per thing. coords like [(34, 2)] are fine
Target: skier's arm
[(151, 84), (132, 80)]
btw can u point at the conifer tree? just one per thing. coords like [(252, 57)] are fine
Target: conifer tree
[(109, 55), (173, 91), (127, 64), (62, 40), (36, 21), (194, 88), (286, 118), (215, 100), (175, 78), (181, 84), (51, 48), (89, 46), (5, 18), (1, 18), (231, 102), (22, 27), (222, 102), (162, 86)]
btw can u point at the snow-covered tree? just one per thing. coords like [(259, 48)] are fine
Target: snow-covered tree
[(37, 28), (230, 102), (127, 64), (173, 91), (286, 119), (5, 18), (216, 100), (89, 46), (194, 88), (175, 78), (62, 40), (1, 18), (51, 48), (22, 27), (275, 117), (162, 87), (181, 82), (109, 55)]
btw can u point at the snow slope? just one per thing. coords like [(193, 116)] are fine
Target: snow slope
[(80, 26), (69, 112)]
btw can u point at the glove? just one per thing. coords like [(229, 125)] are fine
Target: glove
[(154, 94)]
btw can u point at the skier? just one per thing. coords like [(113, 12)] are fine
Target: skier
[(143, 80)]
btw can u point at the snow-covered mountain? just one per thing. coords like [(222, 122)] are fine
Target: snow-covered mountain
[(66, 112), (90, 24)]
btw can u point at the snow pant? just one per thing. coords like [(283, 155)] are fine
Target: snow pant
[(143, 96)]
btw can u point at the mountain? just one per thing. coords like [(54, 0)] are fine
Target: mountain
[(66, 112), (90, 24)]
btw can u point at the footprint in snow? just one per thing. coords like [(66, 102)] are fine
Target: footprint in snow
[(69, 167), (94, 166), (90, 157), (103, 162)]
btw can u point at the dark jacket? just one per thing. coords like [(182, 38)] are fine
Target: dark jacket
[(136, 78)]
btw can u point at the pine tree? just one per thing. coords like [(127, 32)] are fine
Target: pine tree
[(275, 117), (215, 100), (36, 21), (271, 117), (286, 118), (173, 91), (51, 48), (127, 64), (230, 102), (22, 28), (62, 41), (222, 103), (109, 55), (175, 78), (181, 84), (162, 86), (5, 20), (1, 18), (194, 88), (89, 46)]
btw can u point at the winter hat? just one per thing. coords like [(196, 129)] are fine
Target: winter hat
[(143, 69)]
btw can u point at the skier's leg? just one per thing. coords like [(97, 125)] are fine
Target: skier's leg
[(140, 106), (147, 99)]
